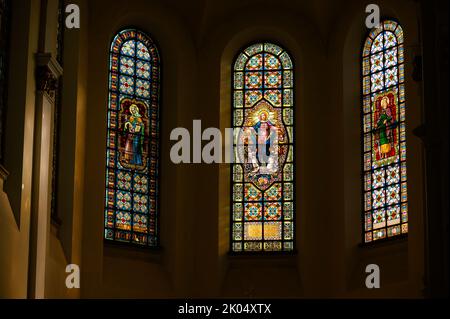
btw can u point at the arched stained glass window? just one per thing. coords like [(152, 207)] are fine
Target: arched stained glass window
[(132, 140), (263, 191), (384, 138)]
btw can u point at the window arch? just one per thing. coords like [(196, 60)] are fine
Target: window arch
[(384, 135), (263, 192), (131, 205)]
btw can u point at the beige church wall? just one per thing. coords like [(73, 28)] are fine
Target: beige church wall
[(116, 271), (401, 262), (55, 275), (65, 239), (15, 193), (17, 258), (48, 39)]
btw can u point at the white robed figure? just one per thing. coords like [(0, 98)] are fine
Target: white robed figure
[(263, 145)]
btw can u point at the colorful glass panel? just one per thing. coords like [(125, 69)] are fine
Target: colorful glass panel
[(263, 193), (132, 140), (383, 126)]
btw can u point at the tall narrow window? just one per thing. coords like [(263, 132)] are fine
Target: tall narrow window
[(132, 140), (263, 185), (383, 111), (57, 115)]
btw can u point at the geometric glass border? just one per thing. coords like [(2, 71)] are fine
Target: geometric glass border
[(384, 180), (131, 198), (262, 201)]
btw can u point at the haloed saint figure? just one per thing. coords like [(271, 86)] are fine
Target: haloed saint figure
[(264, 131), (134, 124), (384, 128), (135, 137), (262, 146), (385, 146)]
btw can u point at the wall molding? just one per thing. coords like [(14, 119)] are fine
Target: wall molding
[(48, 71)]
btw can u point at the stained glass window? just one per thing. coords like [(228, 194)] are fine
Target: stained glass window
[(132, 140), (263, 173), (384, 139), (57, 114)]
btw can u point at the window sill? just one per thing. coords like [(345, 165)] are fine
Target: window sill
[(391, 246), (385, 242), (271, 258), (130, 251)]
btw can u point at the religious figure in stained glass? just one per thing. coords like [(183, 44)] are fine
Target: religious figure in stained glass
[(263, 129), (385, 142), (132, 145), (263, 136), (135, 130), (133, 152), (263, 190), (384, 134)]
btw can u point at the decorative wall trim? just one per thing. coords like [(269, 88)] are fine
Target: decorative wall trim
[(48, 72)]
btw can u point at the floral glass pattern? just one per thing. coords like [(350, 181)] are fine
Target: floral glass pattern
[(263, 193), (131, 204), (385, 207)]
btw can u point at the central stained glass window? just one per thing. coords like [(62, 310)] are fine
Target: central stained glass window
[(263, 192), (132, 140)]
